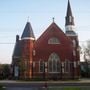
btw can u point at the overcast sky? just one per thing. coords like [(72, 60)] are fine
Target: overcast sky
[(14, 15)]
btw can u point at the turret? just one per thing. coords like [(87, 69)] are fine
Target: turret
[(27, 44), (16, 58), (17, 48), (28, 32)]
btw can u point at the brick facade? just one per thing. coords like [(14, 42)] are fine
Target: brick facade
[(54, 55)]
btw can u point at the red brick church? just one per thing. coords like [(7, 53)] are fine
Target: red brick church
[(54, 55)]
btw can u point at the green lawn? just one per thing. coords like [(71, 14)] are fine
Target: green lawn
[(69, 88)]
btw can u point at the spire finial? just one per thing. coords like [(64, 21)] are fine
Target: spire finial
[(28, 19), (68, 1), (53, 19)]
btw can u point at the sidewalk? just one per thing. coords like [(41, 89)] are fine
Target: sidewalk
[(68, 81)]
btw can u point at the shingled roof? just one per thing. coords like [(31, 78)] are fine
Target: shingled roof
[(69, 16), (17, 50), (69, 11), (28, 31)]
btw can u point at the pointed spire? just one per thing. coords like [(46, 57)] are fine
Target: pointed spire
[(69, 16), (69, 11), (69, 23), (28, 32), (17, 49)]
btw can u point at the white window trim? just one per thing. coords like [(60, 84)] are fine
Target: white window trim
[(34, 64), (63, 71), (74, 43), (56, 71), (34, 52), (74, 53), (39, 66), (75, 64), (51, 40), (66, 71), (70, 19)]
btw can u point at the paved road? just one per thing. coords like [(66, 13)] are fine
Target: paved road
[(42, 84), (51, 88), (18, 85)]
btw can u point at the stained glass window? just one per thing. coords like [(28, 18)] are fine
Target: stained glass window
[(54, 63)]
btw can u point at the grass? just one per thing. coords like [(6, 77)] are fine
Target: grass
[(72, 88), (69, 88), (1, 87)]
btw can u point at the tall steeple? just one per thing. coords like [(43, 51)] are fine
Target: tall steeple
[(70, 32), (69, 16), (69, 21), (69, 11), (28, 32)]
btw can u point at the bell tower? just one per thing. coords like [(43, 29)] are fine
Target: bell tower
[(69, 22), (70, 32)]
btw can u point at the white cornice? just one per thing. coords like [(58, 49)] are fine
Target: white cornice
[(27, 38), (70, 28), (71, 34)]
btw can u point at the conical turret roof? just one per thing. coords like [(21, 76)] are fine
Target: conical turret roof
[(28, 32), (17, 50)]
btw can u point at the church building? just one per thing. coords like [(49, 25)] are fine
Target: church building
[(54, 55)]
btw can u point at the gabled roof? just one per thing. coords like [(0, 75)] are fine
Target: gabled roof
[(53, 31), (28, 31), (17, 50)]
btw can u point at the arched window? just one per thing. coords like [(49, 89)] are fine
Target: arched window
[(54, 63), (53, 40)]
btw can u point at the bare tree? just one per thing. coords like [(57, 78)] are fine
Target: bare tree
[(87, 51), (86, 57)]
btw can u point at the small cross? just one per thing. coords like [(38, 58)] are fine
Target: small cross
[(28, 19), (53, 19)]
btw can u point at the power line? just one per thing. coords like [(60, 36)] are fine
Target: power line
[(6, 43), (14, 43)]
